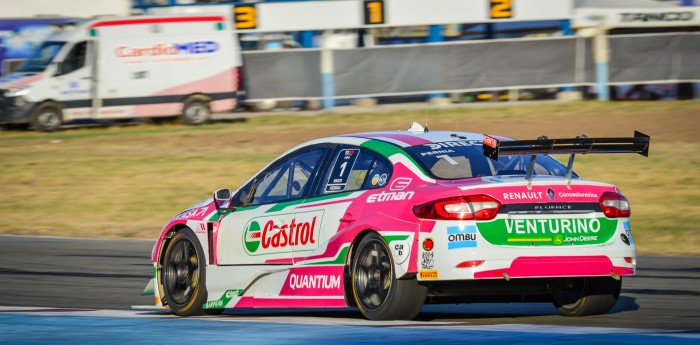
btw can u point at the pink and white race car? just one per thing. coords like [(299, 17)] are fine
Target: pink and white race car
[(389, 221)]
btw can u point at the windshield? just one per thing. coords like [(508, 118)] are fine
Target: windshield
[(452, 160), (41, 57)]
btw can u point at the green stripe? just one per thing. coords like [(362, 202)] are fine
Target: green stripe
[(391, 238), (339, 260), (389, 150), (215, 216), (281, 206)]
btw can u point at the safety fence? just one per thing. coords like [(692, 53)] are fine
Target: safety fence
[(470, 66)]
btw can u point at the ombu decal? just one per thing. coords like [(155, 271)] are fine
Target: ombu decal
[(546, 231), (269, 235)]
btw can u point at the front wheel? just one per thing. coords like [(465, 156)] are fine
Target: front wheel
[(588, 296), (47, 117), (183, 274), (196, 112), (377, 292)]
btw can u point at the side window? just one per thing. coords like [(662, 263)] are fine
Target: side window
[(353, 168), (288, 180), (75, 58)]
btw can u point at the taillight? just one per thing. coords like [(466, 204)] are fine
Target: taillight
[(473, 207), (614, 205)]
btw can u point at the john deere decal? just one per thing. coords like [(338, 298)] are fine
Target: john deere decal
[(549, 232)]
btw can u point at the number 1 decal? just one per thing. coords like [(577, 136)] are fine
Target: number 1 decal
[(374, 12)]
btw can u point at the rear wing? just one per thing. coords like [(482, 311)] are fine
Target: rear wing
[(582, 144)]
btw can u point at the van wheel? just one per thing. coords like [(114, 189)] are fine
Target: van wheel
[(47, 117), (588, 296), (377, 292), (196, 112)]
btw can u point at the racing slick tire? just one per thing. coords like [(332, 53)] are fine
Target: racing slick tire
[(183, 275), (195, 112), (47, 117), (377, 292), (588, 296)]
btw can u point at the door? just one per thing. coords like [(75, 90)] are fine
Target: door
[(341, 196), (265, 226), (74, 81)]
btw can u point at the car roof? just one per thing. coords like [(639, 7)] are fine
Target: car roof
[(411, 138)]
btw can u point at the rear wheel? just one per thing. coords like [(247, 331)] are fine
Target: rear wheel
[(196, 112), (184, 274), (47, 117), (588, 296), (377, 292)]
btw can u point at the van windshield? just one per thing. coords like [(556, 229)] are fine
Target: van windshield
[(41, 57), (465, 159)]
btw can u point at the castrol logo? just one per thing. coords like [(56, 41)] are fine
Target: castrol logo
[(270, 235)]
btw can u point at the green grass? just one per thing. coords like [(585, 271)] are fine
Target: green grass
[(125, 182)]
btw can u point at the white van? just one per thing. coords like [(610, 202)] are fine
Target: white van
[(123, 68)]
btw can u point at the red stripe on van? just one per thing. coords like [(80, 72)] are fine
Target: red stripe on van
[(141, 21)]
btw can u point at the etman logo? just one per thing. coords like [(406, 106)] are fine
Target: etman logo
[(400, 183)]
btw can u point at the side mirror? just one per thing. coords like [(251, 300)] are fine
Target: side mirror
[(221, 196)]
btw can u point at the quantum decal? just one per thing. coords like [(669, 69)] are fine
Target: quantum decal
[(314, 281), (461, 237), (266, 235), (545, 231)]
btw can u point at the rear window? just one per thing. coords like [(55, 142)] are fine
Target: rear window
[(451, 160)]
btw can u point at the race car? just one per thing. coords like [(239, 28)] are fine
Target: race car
[(389, 221)]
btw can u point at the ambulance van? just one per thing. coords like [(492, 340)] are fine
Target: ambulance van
[(185, 66)]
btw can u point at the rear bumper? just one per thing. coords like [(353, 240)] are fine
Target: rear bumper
[(557, 266)]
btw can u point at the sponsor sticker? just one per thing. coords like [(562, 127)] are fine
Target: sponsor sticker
[(341, 171), (428, 244), (400, 249), (428, 274), (314, 281), (522, 196), (223, 300), (490, 141), (400, 183), (427, 261), (383, 179), (461, 237), (548, 231), (389, 196), (266, 235), (550, 194), (628, 231)]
